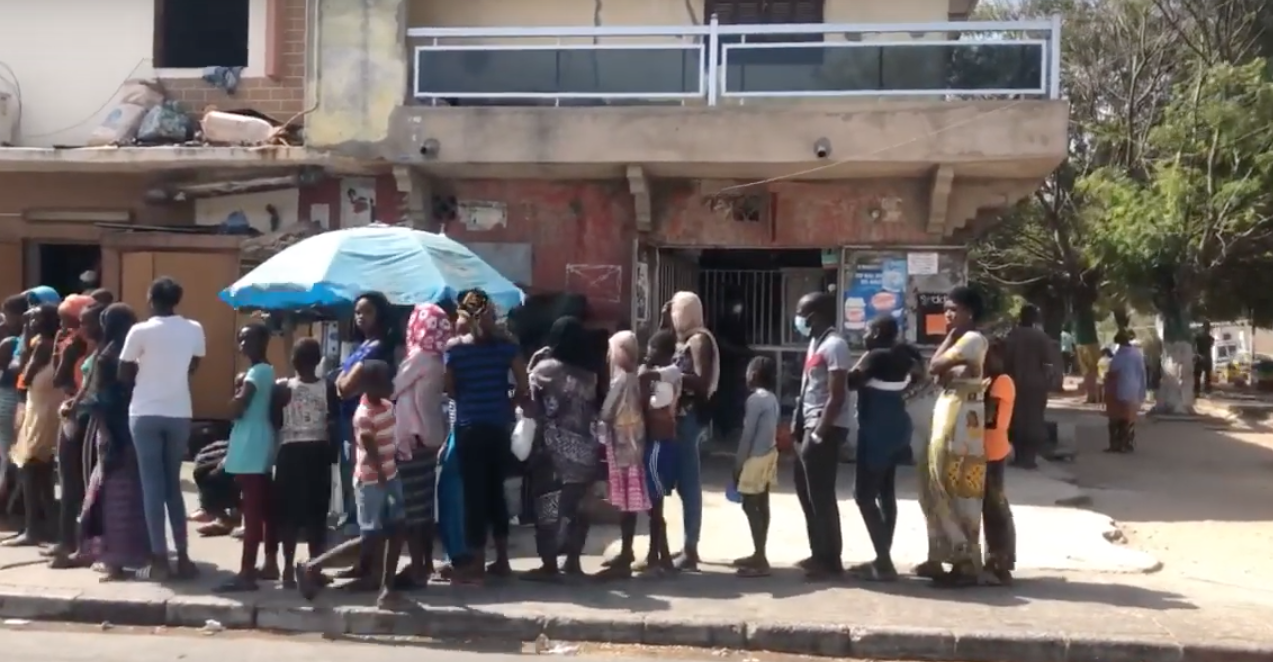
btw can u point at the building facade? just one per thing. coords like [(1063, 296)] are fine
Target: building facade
[(752, 150)]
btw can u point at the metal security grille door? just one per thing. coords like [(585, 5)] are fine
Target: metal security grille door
[(768, 298)]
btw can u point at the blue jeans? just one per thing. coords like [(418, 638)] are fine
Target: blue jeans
[(160, 443), (349, 518), (380, 507), (689, 481)]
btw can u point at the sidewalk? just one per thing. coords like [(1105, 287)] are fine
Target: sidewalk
[(1067, 605)]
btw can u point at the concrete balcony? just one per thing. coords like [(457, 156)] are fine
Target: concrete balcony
[(735, 101)]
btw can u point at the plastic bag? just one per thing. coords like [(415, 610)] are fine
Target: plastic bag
[(165, 124), (662, 395), (523, 437)]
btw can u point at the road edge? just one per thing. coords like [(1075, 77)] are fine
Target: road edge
[(452, 623)]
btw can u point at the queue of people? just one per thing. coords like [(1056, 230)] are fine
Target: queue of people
[(418, 420)]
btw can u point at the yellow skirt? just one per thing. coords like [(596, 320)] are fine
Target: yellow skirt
[(759, 474)]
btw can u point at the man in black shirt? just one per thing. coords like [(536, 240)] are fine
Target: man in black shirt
[(1202, 367)]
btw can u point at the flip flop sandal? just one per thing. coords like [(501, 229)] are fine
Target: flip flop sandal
[(752, 572)]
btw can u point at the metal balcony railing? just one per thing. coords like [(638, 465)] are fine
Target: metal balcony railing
[(718, 64)]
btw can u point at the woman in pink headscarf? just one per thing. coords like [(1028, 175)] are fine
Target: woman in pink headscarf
[(421, 431)]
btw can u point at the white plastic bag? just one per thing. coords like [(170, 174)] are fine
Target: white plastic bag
[(662, 395), (523, 436)]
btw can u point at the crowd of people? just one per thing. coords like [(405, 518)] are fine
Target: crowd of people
[(418, 419)]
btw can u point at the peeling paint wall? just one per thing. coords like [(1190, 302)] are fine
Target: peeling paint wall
[(580, 234), (360, 73), (803, 215)]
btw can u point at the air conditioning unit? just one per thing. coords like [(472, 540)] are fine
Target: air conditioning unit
[(8, 118)]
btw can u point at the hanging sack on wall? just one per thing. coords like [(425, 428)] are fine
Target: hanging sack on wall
[(120, 125)]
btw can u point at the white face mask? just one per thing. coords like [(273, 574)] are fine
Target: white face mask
[(738, 309)]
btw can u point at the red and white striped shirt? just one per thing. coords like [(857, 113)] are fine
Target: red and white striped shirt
[(378, 420)]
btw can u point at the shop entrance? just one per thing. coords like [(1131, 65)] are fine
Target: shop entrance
[(61, 266), (749, 299)]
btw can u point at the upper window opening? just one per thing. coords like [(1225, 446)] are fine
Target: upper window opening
[(192, 34)]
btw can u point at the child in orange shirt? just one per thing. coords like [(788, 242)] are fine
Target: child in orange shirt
[(996, 514)]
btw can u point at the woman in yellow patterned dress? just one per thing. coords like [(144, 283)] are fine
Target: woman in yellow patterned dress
[(953, 470)]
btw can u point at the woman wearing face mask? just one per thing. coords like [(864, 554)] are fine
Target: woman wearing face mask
[(698, 358), (953, 471)]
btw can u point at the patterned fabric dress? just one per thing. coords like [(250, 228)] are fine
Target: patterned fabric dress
[(568, 455), (113, 519), (953, 471), (625, 445)]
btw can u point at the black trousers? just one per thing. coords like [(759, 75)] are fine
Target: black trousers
[(875, 491), (483, 451), (38, 499), (996, 514), (70, 463), (816, 467), (1202, 370)]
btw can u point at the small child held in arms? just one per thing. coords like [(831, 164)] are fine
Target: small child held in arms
[(662, 382), (756, 462), (249, 456), (377, 489)]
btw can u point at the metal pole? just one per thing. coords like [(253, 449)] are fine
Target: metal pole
[(713, 61), (1054, 61)]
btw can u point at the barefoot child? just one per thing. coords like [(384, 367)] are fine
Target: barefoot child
[(756, 462), (250, 454), (302, 470), (377, 490), (660, 450)]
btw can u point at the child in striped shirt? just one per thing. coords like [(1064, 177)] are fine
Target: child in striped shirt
[(377, 490)]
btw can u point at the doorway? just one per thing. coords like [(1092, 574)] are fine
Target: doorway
[(61, 266), (749, 301)]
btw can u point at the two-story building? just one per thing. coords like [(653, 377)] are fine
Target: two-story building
[(752, 150)]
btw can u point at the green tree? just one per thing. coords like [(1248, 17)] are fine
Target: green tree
[(1199, 205), (1116, 64)]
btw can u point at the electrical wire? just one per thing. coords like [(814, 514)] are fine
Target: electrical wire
[(857, 157), (105, 104)]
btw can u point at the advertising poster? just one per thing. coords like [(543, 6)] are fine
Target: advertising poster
[(878, 288)]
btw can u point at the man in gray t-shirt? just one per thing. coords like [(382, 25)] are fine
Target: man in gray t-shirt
[(824, 419)]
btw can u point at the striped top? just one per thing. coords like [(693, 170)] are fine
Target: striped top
[(479, 373), (378, 419)]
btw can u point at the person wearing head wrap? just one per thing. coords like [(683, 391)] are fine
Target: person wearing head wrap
[(622, 412), (563, 462), (420, 431), (71, 349), (478, 365), (953, 469), (70, 346), (113, 514), (698, 358)]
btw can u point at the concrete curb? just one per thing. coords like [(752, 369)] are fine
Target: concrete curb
[(456, 623)]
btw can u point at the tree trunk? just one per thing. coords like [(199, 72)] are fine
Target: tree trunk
[(1175, 393), (1087, 348)]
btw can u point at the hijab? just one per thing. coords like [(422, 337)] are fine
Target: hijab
[(73, 306), (428, 331), (36, 296), (568, 342), (688, 321), (624, 353)]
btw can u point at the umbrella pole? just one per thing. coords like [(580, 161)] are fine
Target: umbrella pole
[(289, 340)]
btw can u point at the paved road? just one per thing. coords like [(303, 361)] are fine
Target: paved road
[(21, 645)]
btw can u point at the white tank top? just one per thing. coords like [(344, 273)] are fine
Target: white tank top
[(305, 416)]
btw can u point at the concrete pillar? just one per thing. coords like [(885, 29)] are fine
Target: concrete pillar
[(359, 76)]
